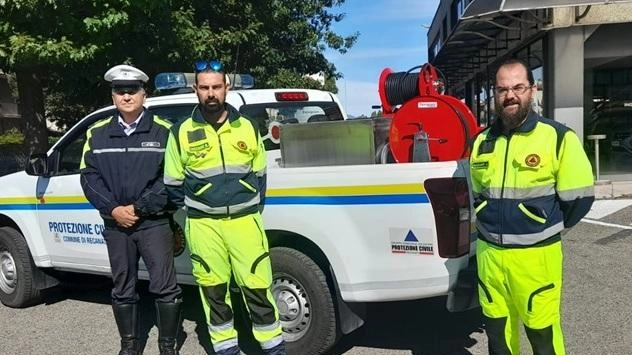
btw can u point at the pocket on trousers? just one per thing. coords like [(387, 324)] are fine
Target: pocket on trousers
[(260, 275)]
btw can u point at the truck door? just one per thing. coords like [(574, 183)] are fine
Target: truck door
[(71, 227)]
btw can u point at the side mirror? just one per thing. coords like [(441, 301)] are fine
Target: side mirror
[(37, 165)]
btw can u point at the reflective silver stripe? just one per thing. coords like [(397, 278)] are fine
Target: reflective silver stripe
[(238, 169), (222, 209), (533, 238), (271, 343), (226, 344), (202, 207), (488, 236), (109, 150), (242, 206), (123, 150), (518, 192), (222, 327), (570, 195), (266, 327), (521, 239), (168, 180), (230, 169), (206, 173), (158, 150)]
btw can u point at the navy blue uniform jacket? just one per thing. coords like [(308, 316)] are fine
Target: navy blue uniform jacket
[(119, 170)]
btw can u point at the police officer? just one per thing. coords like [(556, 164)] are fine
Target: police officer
[(121, 175), (531, 179), (215, 165)]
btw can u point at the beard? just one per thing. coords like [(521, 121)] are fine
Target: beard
[(512, 120), (212, 106), (212, 110)]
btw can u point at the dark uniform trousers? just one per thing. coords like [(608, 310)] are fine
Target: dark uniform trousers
[(155, 245)]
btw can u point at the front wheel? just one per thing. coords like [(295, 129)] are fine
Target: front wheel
[(17, 287), (305, 303)]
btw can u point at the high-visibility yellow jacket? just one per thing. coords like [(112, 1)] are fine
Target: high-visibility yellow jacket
[(530, 185), (216, 173)]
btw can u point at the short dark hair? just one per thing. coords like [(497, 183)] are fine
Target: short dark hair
[(514, 61), (209, 71)]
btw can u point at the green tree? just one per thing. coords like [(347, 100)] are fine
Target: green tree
[(44, 40), (59, 50)]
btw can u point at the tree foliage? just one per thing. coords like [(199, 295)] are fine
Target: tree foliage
[(59, 50)]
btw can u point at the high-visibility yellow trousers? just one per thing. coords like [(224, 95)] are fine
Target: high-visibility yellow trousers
[(521, 285), (239, 246)]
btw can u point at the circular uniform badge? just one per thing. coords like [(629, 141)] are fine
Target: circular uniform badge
[(532, 160), (242, 145)]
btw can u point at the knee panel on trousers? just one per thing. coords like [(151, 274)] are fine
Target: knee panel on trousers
[(497, 342), (261, 310), (541, 340), (220, 312)]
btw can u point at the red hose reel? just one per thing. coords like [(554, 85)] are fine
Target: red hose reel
[(420, 111)]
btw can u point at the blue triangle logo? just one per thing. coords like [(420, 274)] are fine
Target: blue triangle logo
[(410, 237)]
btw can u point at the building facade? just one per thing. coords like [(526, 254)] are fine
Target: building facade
[(580, 54)]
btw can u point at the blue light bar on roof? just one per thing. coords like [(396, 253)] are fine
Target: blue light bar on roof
[(241, 81), (169, 81)]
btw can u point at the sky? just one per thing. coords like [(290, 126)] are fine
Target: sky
[(393, 34)]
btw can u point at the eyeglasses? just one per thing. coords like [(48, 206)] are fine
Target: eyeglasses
[(518, 89), (123, 91), (213, 65)]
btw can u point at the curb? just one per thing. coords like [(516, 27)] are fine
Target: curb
[(605, 189)]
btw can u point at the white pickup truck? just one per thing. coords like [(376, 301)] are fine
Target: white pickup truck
[(344, 226)]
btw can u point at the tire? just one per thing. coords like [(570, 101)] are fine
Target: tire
[(17, 287), (306, 306)]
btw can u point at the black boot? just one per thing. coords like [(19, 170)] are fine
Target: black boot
[(168, 314), (126, 316)]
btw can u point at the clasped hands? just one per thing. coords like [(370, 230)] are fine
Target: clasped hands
[(125, 216)]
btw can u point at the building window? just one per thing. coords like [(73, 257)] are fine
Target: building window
[(610, 114)]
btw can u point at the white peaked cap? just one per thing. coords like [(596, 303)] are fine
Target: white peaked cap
[(125, 73)]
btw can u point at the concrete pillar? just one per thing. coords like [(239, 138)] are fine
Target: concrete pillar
[(470, 96), (564, 85)]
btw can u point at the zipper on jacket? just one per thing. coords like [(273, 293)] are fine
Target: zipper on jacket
[(502, 191), (125, 164), (221, 153)]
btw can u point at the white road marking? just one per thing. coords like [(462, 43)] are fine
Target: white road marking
[(605, 224), (602, 208)]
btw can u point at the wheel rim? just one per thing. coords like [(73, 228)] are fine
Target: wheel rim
[(294, 306), (8, 276)]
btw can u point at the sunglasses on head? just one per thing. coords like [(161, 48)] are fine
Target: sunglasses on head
[(123, 91), (204, 65)]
